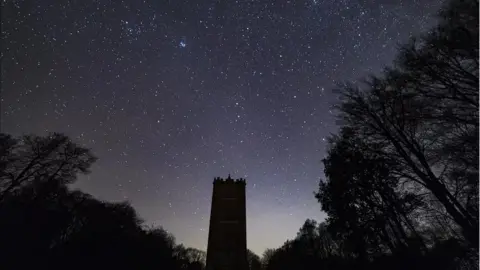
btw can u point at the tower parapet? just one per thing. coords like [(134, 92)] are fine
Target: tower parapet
[(219, 180)]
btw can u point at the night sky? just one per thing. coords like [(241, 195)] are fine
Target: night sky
[(170, 94)]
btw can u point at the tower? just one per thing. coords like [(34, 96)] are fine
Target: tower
[(227, 235)]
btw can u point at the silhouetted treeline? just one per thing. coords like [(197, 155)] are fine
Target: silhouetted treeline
[(44, 225), (401, 186)]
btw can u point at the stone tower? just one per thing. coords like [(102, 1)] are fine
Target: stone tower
[(227, 236)]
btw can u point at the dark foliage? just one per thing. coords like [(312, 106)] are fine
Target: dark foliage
[(423, 115), (254, 262), (47, 226), (401, 186)]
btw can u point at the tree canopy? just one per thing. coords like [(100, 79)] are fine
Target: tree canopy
[(401, 174), (47, 225)]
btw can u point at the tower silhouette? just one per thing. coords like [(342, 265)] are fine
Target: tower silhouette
[(227, 236)]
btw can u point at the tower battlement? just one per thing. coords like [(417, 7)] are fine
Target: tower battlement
[(218, 180)]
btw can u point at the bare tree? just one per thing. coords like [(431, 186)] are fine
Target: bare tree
[(34, 159)]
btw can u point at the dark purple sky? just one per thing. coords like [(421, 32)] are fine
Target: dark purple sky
[(170, 94)]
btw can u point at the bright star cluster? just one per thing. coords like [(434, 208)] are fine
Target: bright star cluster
[(170, 94)]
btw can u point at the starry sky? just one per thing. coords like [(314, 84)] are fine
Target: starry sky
[(170, 94)]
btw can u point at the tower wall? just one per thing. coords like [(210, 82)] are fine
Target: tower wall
[(227, 237)]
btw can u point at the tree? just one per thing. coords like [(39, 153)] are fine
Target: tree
[(401, 183), (254, 262), (267, 257), (190, 258), (361, 196), (445, 72), (424, 114), (312, 248), (46, 225), (34, 160), (33, 197)]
